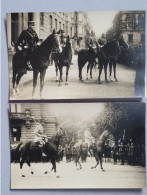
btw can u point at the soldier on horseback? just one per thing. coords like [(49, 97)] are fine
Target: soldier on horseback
[(102, 40), (89, 139), (40, 136), (26, 44)]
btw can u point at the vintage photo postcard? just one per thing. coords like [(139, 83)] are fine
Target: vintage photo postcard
[(77, 145), (76, 55)]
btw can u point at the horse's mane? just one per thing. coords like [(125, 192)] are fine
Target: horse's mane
[(46, 46)]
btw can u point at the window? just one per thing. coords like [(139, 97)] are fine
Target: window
[(130, 38), (142, 38), (51, 23), (16, 133), (15, 108), (30, 16), (80, 17), (80, 30), (42, 19), (59, 25), (56, 25)]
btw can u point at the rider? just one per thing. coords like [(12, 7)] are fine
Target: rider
[(40, 136), (102, 40), (88, 138), (26, 43)]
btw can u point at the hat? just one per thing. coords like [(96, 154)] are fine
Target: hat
[(31, 23)]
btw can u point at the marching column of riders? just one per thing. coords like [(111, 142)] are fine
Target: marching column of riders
[(121, 151)]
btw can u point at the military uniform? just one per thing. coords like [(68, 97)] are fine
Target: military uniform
[(26, 44)]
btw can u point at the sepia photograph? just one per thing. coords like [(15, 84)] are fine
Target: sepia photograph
[(77, 145), (76, 55)]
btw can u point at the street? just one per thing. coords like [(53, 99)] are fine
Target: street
[(115, 176), (77, 89)]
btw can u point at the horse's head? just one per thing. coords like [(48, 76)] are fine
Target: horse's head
[(61, 133), (56, 42), (123, 43)]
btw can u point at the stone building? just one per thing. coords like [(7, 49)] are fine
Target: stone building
[(130, 25), (25, 117), (74, 24)]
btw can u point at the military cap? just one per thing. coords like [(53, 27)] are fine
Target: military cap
[(31, 23)]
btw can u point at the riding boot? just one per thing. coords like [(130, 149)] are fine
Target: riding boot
[(43, 154)]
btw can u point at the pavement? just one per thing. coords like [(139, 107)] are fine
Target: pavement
[(115, 176), (76, 89)]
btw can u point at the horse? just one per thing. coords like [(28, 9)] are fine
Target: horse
[(110, 53), (80, 151), (84, 56), (63, 58), (97, 148), (39, 60), (50, 148)]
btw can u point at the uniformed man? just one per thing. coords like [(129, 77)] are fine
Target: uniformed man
[(27, 42), (88, 138), (40, 136), (102, 40)]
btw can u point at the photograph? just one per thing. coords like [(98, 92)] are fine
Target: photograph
[(76, 55), (77, 145)]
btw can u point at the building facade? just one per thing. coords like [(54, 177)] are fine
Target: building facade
[(25, 117), (130, 25), (74, 24)]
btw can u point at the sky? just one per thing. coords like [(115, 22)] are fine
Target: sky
[(82, 110), (101, 21)]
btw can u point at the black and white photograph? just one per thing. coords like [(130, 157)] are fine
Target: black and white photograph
[(76, 55), (77, 145)]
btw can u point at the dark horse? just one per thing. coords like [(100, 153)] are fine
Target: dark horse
[(63, 59), (98, 149), (84, 56), (110, 53), (39, 61), (50, 148)]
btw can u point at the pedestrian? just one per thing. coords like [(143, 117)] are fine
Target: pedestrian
[(26, 44), (40, 136)]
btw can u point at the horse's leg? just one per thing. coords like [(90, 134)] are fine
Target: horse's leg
[(114, 69), (88, 66), (53, 161), (29, 164), (56, 67), (100, 71), (42, 75), (101, 164), (91, 67), (21, 165), (97, 162), (60, 69), (17, 82), (67, 69), (110, 69), (35, 75), (105, 69)]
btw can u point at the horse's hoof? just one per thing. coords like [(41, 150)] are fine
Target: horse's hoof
[(32, 172), (87, 78), (57, 80), (82, 80), (66, 83), (58, 176), (45, 172), (92, 167), (103, 170), (107, 81), (116, 80), (99, 82), (23, 175)]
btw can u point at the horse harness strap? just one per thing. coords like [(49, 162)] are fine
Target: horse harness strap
[(52, 145)]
